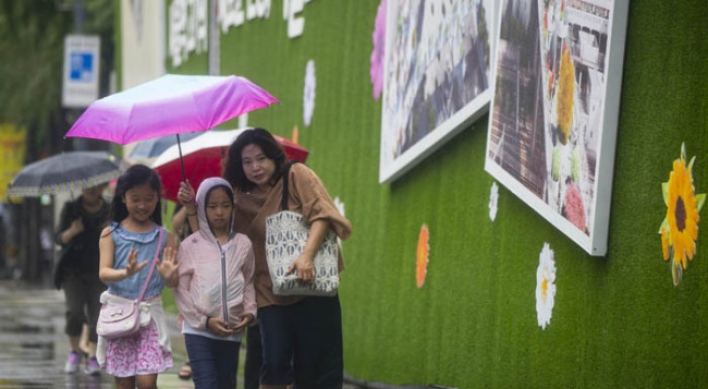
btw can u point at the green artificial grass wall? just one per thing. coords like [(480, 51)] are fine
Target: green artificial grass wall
[(617, 321)]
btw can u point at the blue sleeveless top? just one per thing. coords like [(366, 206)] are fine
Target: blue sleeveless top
[(146, 244)]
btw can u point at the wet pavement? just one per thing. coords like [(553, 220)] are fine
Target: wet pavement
[(33, 346)]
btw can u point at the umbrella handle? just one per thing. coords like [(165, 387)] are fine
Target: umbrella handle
[(181, 160)]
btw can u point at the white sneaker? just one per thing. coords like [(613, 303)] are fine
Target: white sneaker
[(92, 367), (72, 362)]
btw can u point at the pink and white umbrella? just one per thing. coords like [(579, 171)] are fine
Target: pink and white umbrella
[(169, 105)]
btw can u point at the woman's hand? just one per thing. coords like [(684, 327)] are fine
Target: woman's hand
[(77, 226), (133, 266), (219, 327), (186, 196), (304, 268), (245, 319), (167, 267), (304, 264)]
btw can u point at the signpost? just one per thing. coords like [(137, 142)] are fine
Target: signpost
[(80, 77)]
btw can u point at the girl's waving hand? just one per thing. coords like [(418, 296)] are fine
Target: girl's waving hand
[(168, 266)]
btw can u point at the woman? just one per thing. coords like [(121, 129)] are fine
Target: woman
[(301, 336), (79, 229)]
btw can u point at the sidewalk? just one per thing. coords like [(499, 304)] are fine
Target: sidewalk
[(33, 346)]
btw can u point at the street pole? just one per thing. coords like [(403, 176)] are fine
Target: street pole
[(79, 19)]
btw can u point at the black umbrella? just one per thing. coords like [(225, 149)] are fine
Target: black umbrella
[(66, 172), (153, 147)]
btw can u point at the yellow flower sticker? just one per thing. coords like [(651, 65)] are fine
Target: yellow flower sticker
[(679, 230)]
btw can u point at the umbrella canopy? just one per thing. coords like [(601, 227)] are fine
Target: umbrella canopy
[(202, 159), (74, 170), (152, 148), (171, 104)]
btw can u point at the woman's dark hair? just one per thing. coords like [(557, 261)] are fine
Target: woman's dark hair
[(134, 176), (233, 168)]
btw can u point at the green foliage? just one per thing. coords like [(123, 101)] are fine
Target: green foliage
[(32, 36), (32, 45)]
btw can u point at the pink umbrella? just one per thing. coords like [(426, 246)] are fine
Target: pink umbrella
[(171, 104)]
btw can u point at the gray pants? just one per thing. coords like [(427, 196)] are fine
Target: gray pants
[(82, 293)]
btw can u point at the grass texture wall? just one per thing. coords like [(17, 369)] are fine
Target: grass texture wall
[(618, 321)]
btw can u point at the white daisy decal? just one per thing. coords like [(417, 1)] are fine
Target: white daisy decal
[(340, 206), (545, 286), (493, 201), (309, 94)]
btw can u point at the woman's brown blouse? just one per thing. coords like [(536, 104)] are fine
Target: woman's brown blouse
[(307, 197)]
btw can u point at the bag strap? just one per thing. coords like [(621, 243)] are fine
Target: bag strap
[(152, 266), (286, 174)]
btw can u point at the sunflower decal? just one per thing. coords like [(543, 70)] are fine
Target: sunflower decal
[(679, 230), (421, 263)]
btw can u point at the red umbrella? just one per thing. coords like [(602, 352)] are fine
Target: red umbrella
[(202, 159)]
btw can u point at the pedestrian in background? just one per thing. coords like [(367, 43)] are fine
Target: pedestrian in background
[(215, 293), (80, 226), (127, 247)]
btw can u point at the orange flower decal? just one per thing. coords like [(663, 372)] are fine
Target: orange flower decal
[(421, 265), (295, 135)]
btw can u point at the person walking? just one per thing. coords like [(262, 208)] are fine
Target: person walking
[(80, 225), (127, 246), (182, 226), (215, 293), (301, 336)]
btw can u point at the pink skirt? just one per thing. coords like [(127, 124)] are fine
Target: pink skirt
[(139, 354)]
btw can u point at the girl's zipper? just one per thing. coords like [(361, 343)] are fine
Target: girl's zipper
[(223, 283)]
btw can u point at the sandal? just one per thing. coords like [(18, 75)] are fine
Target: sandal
[(185, 372)]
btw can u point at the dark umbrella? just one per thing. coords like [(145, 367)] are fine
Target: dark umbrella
[(152, 148), (66, 172)]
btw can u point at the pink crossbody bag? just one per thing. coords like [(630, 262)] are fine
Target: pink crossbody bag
[(118, 320)]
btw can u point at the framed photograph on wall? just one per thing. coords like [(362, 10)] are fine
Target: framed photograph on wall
[(553, 117), (436, 76)]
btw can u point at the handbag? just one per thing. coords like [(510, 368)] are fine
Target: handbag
[(117, 320), (286, 235), (71, 212)]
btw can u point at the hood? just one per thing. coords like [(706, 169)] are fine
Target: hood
[(204, 188)]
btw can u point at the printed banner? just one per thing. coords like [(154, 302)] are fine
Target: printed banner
[(12, 155)]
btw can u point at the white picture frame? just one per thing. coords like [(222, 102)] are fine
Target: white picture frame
[(553, 118), (437, 72)]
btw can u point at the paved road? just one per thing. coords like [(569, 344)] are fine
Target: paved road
[(33, 346)]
